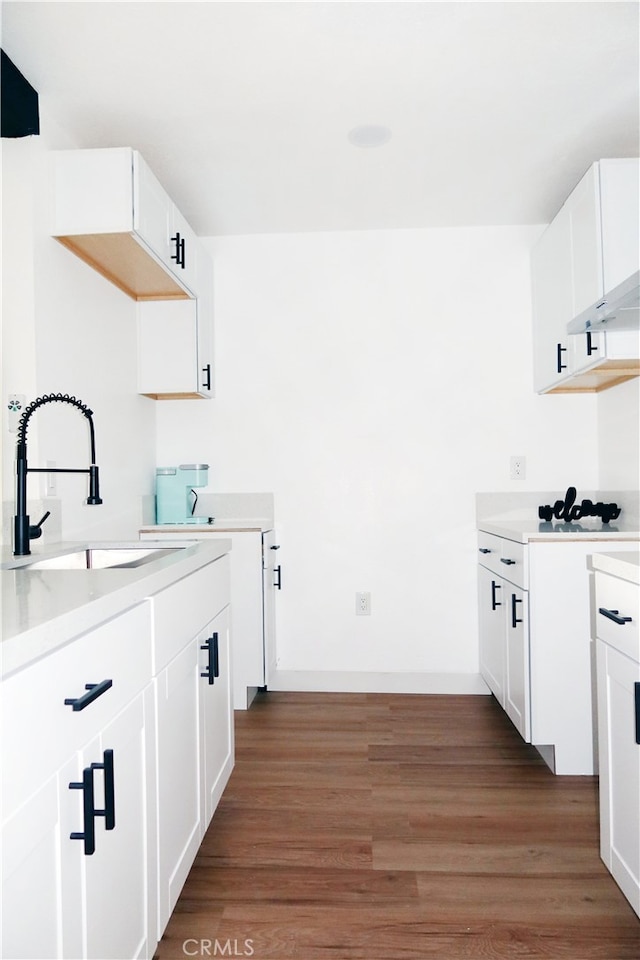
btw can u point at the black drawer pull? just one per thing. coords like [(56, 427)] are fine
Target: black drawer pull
[(207, 371), (278, 571), (484, 550), (507, 561), (636, 687), (494, 602), (179, 255), (94, 690), (614, 615), (109, 812), (213, 661), (89, 831), (560, 366), (514, 619)]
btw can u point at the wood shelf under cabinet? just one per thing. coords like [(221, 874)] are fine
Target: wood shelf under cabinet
[(124, 262), (609, 374)]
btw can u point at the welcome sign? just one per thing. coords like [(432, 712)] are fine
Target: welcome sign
[(568, 510)]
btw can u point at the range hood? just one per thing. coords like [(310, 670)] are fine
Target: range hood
[(619, 310)]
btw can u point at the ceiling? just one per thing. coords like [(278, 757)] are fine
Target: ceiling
[(243, 109)]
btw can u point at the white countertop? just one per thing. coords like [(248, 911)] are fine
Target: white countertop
[(219, 525), (531, 530), (44, 609), (623, 565)]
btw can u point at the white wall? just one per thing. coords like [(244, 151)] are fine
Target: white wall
[(67, 330), (375, 382), (619, 437)]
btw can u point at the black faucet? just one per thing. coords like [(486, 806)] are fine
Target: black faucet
[(23, 530)]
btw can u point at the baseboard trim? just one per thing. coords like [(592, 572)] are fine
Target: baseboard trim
[(328, 681)]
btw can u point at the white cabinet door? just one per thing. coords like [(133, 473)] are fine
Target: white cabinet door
[(552, 301), (178, 776), (586, 242), (216, 713), (152, 210), (32, 915), (491, 600), (619, 753), (113, 911), (517, 694)]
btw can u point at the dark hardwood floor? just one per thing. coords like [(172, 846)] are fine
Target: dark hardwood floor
[(398, 828)]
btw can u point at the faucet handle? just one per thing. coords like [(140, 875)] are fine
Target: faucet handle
[(36, 531)]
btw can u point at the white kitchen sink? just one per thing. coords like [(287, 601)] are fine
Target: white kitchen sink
[(97, 558)]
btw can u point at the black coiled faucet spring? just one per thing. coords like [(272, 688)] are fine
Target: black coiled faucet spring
[(24, 532)]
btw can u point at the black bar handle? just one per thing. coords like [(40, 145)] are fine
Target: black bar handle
[(484, 550), (109, 812), (278, 571), (559, 364), (636, 689), (209, 672), (179, 256), (507, 560), (590, 347), (207, 371), (514, 619), (94, 690), (89, 832), (276, 546), (494, 602), (614, 615), (216, 656)]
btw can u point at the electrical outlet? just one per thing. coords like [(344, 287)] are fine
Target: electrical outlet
[(363, 604), (50, 485), (16, 402), (518, 468)]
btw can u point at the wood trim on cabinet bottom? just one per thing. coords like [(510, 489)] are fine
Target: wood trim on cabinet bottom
[(122, 260), (609, 374)]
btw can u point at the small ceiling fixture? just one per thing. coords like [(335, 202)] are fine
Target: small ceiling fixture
[(369, 135)]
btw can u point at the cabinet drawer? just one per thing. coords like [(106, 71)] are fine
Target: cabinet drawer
[(40, 731), (180, 611), (506, 558), (622, 599)]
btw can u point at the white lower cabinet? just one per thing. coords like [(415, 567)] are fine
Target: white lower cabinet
[(616, 618), (70, 850), (504, 646), (536, 651), (116, 749)]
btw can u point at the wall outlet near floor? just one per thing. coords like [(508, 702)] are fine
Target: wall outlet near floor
[(517, 468), (363, 604)]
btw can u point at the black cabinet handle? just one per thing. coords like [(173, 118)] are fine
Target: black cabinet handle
[(179, 255), (276, 546), (207, 381), (278, 572), (109, 812), (494, 602), (614, 615), (213, 661), (94, 690), (484, 550), (636, 688), (514, 619), (89, 831), (559, 364), (507, 561), (590, 347)]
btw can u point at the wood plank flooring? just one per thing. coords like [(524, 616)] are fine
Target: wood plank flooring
[(375, 827)]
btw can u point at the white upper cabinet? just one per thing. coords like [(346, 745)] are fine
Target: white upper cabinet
[(587, 252), (112, 212)]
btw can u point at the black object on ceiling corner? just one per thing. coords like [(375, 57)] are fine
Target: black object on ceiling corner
[(19, 116)]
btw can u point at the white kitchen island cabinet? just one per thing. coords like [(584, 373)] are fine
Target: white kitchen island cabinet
[(81, 846), (111, 211), (616, 621), (589, 250), (536, 651)]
